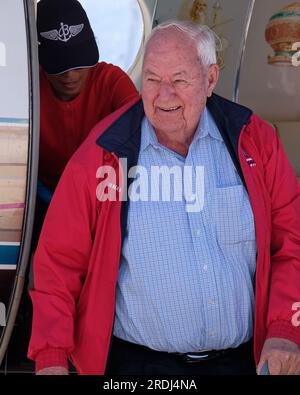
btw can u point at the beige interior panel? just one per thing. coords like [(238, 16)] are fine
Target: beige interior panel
[(11, 219), (13, 145), (289, 133), (10, 235), (12, 190)]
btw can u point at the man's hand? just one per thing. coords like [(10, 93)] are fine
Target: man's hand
[(53, 370), (282, 356)]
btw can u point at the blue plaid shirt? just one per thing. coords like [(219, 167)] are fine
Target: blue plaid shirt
[(186, 278)]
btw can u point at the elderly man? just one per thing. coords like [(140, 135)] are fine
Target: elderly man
[(133, 282)]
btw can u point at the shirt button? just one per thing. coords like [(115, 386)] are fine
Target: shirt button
[(212, 302), (212, 334), (198, 232), (205, 268)]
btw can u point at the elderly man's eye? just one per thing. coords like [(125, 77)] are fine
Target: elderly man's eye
[(180, 82)]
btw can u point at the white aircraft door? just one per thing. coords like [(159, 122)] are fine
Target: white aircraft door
[(19, 127)]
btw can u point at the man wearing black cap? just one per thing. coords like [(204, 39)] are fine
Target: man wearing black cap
[(76, 90)]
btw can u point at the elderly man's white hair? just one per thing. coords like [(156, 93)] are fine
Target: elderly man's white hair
[(202, 35)]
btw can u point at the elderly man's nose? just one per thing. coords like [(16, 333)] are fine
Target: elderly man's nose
[(166, 89)]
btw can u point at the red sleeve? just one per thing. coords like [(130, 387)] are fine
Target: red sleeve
[(123, 90), (60, 266), (284, 192)]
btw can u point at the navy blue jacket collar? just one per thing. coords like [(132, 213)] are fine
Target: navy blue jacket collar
[(124, 133), (123, 137)]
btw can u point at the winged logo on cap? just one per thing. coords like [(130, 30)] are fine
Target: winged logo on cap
[(65, 33)]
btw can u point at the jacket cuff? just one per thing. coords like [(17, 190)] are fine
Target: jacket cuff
[(284, 330), (51, 357)]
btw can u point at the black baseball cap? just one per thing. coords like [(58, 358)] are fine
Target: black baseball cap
[(66, 39)]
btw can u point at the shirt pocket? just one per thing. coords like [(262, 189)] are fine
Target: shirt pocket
[(232, 215)]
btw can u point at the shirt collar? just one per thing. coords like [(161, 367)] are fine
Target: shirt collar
[(206, 126), (148, 135)]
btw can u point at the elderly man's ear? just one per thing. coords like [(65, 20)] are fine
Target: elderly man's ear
[(212, 78)]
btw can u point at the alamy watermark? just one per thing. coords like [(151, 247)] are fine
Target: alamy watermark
[(296, 56), (159, 184), (2, 314), (2, 55), (296, 316)]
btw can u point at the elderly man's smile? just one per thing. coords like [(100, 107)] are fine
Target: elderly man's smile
[(169, 109)]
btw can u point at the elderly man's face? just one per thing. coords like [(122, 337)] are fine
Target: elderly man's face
[(68, 85), (175, 86)]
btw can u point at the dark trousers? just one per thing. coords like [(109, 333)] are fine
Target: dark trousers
[(130, 359)]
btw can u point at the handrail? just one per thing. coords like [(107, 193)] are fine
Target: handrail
[(242, 51)]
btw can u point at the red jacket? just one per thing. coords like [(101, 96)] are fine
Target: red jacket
[(65, 125), (77, 260)]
